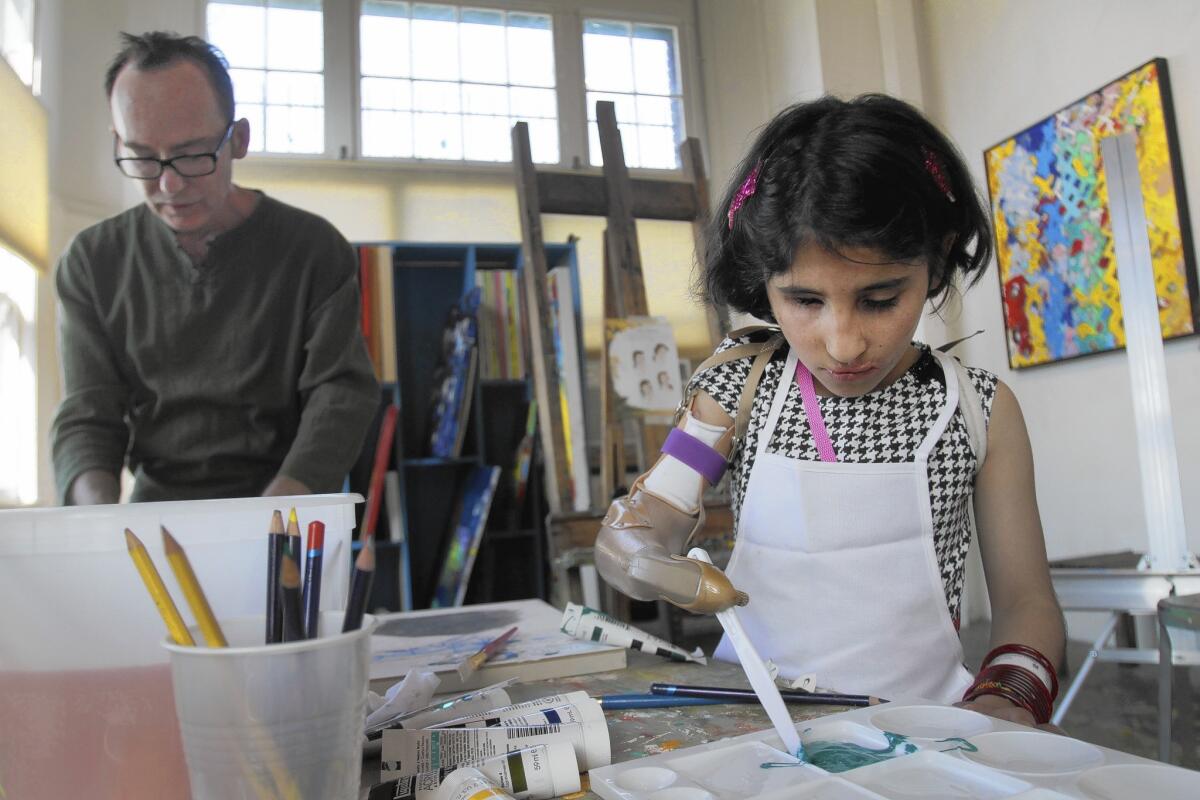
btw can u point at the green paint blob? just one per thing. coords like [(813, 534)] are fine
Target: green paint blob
[(958, 744), (845, 756)]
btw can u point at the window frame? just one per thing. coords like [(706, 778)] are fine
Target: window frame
[(35, 83), (342, 79)]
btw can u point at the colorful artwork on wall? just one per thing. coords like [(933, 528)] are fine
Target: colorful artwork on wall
[(1049, 203)]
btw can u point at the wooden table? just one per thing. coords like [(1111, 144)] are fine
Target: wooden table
[(644, 732)]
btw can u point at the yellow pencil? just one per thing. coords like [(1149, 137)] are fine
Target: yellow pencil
[(158, 591), (192, 591)]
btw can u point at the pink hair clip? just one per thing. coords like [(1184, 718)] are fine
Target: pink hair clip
[(745, 191), (933, 165)]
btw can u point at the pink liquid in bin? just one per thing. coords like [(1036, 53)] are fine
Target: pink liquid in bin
[(107, 733)]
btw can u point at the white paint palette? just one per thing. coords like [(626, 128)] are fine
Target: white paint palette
[(898, 751)]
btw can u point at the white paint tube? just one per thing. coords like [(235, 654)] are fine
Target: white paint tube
[(466, 705), (468, 783), (411, 752), (596, 626), (534, 773), (557, 708)]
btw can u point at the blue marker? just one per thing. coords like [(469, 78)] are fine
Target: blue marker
[(624, 701)]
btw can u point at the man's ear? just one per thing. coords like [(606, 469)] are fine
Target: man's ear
[(239, 140)]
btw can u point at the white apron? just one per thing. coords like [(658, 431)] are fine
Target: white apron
[(839, 563)]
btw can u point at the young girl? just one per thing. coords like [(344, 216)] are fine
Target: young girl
[(856, 453)]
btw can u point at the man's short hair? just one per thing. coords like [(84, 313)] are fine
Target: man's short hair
[(160, 48)]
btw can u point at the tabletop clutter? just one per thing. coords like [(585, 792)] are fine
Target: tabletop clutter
[(272, 688)]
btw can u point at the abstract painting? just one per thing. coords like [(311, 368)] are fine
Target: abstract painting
[(1054, 247)]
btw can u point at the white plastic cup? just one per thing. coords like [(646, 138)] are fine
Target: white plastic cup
[(280, 720)]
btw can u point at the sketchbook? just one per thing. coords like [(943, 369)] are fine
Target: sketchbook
[(439, 639)]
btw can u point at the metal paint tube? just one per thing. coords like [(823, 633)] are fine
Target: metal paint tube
[(534, 773), (412, 752), (582, 709), (470, 704), (596, 626), (468, 783)]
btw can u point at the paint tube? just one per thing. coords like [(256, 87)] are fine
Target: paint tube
[(468, 783), (558, 708), (411, 752), (465, 705), (533, 773), (595, 626)]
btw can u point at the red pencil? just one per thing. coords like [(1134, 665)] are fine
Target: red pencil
[(383, 447)]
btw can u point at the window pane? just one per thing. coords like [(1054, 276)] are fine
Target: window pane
[(654, 60), (295, 89), (383, 42), (240, 31), (607, 57), (532, 103), (656, 144), (387, 134), (295, 38), (626, 107), (483, 52), (436, 96), (530, 50), (18, 388), (437, 136), (253, 113), (486, 139), (295, 129), (247, 85), (479, 99), (543, 140), (435, 42), (386, 94)]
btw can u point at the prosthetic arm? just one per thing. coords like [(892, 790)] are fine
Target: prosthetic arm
[(640, 537)]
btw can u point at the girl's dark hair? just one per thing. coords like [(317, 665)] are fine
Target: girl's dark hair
[(159, 48), (846, 174)]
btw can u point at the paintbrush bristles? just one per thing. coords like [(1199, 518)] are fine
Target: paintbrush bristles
[(276, 522), (289, 574), (366, 559)]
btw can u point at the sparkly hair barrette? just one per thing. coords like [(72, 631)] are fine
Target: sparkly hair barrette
[(933, 165), (744, 192)]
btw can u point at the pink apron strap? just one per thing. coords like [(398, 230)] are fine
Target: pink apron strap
[(812, 410)]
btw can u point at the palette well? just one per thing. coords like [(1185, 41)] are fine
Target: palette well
[(893, 752)]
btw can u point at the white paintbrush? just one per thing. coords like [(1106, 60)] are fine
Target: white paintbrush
[(756, 672)]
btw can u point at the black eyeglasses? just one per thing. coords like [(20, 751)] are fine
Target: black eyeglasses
[(193, 165)]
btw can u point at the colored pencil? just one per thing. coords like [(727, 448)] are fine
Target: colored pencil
[(294, 543), (748, 695), (312, 578), (289, 589), (275, 545), (360, 588), (192, 592), (616, 702), (383, 448), (158, 590), (474, 662)]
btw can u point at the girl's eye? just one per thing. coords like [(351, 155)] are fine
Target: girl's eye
[(881, 305), (807, 301)]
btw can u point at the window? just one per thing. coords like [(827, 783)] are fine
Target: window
[(276, 54), (18, 388), (635, 66), (16, 37), (438, 81), (444, 81)]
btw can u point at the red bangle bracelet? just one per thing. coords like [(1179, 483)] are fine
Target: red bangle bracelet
[(1036, 655), (1017, 685)]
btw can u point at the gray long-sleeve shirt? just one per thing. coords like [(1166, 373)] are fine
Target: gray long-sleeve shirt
[(211, 378)]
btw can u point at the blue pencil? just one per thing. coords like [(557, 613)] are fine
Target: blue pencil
[(622, 701)]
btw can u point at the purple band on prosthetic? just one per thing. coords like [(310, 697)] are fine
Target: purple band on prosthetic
[(696, 454)]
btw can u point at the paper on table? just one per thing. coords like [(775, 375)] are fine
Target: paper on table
[(756, 671), (410, 694)]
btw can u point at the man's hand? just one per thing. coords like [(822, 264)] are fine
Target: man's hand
[(283, 485), (94, 487)]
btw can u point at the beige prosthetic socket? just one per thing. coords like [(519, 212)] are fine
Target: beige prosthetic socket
[(639, 537)]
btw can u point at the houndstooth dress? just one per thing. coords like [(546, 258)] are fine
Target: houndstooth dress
[(884, 426)]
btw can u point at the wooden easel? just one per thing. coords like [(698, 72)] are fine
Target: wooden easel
[(620, 200)]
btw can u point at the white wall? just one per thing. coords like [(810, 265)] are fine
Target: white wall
[(992, 68)]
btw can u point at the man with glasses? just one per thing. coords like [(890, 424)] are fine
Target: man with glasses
[(210, 336)]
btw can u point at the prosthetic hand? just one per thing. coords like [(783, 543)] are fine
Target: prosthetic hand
[(643, 531)]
